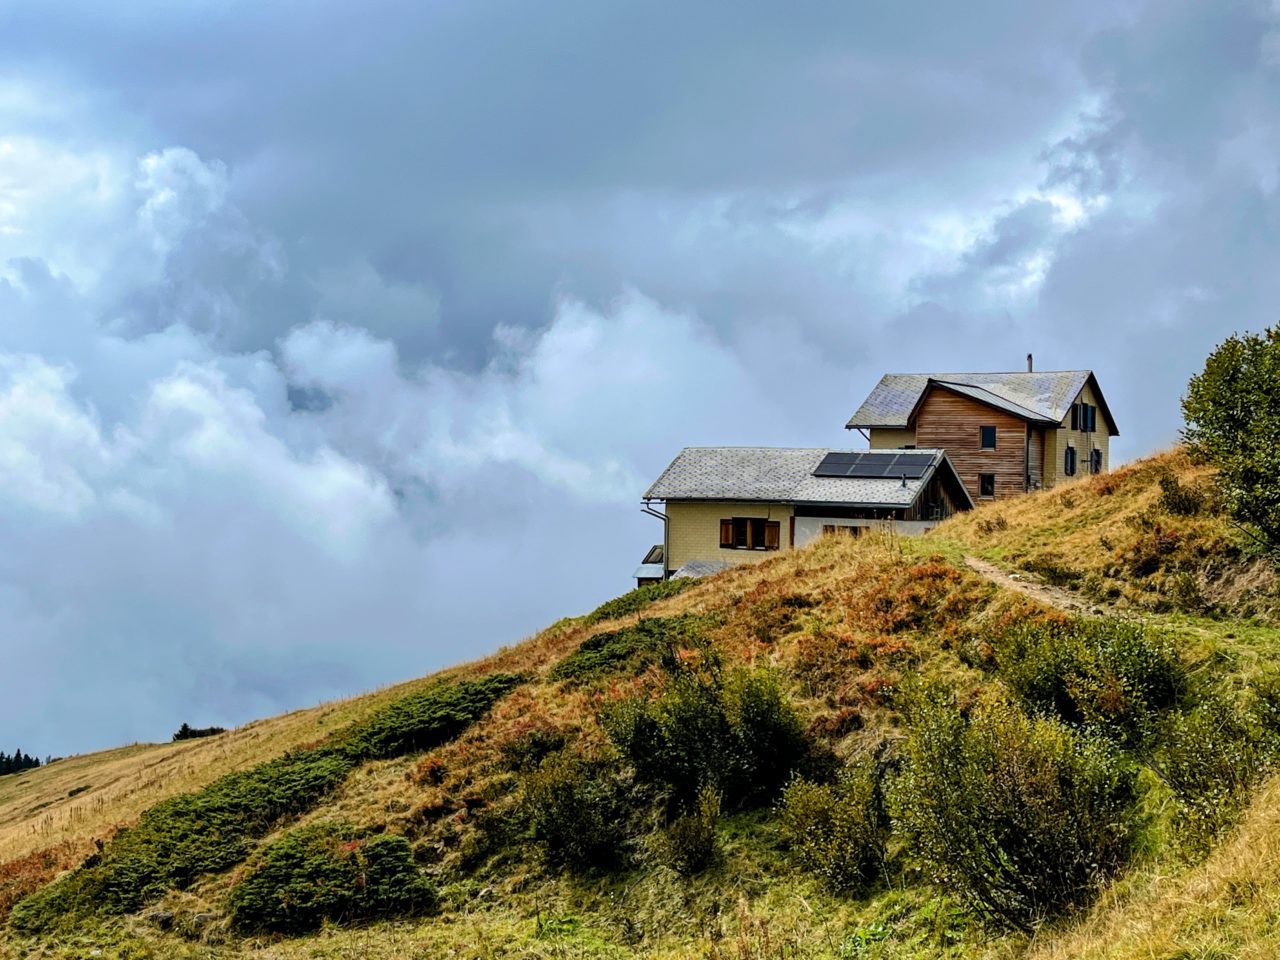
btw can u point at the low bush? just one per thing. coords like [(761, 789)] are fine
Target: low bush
[(838, 831), (1110, 675), (1021, 817), (577, 810), (1177, 499), (190, 835), (629, 649), (421, 721), (735, 731), (329, 871), (1211, 757), (688, 844), (25, 875), (639, 598)]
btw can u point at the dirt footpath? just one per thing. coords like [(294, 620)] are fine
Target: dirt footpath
[(1048, 594)]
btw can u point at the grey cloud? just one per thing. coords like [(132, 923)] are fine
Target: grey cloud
[(450, 282)]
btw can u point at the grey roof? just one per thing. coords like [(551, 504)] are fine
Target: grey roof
[(781, 475), (1042, 396), (650, 571)]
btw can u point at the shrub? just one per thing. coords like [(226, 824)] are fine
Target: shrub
[(1108, 674), (328, 871), (736, 732), (689, 843), (639, 598), (421, 721), (1179, 500), (577, 811), (190, 835), (628, 649), (25, 875), (1232, 409), (1020, 817), (838, 831), (188, 732), (1211, 757)]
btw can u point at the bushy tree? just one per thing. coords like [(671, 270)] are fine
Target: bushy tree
[(1232, 411)]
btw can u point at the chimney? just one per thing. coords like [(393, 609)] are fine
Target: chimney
[(1030, 364)]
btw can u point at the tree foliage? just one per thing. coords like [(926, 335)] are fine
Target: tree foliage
[(1232, 411), (17, 762)]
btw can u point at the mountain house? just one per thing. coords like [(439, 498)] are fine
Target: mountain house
[(1006, 433), (938, 442), (729, 505)]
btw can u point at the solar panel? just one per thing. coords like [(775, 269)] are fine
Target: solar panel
[(874, 466)]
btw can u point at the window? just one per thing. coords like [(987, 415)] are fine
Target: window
[(750, 533), (1069, 462), (988, 438), (986, 485), (1095, 461), (1084, 417)]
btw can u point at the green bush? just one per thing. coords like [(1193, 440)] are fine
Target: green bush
[(629, 649), (328, 871), (1211, 757), (688, 844), (639, 598), (1111, 675), (190, 835), (421, 721), (736, 732), (578, 812), (1179, 500), (838, 831), (1020, 817)]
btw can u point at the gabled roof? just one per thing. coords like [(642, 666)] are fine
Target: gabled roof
[(786, 475), (1040, 397)]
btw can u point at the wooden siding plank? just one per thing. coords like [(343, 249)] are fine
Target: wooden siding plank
[(953, 422)]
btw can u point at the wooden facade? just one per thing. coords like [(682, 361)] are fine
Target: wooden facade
[(954, 423)]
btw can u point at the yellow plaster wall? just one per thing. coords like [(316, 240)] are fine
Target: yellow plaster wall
[(1056, 441), (884, 438), (694, 530)]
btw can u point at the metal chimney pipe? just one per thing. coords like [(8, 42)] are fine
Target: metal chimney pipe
[(1030, 364)]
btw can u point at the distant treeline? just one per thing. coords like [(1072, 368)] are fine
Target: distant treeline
[(16, 763), (188, 732)]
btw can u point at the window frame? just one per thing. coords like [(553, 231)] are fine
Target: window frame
[(982, 437), (982, 485), (750, 533), (1070, 461)]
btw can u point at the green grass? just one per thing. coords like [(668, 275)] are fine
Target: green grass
[(191, 835)]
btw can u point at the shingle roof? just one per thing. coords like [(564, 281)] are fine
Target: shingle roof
[(1045, 396), (780, 475)]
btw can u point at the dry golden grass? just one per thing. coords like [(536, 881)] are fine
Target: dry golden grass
[(1110, 537)]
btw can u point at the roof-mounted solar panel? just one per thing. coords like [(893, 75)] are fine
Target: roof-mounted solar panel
[(874, 466)]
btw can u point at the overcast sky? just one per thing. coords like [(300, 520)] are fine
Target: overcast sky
[(338, 341)]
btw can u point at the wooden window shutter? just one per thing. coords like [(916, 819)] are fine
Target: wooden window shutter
[(772, 534), (1075, 416), (726, 533)]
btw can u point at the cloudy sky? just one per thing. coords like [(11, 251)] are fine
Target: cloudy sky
[(338, 341)]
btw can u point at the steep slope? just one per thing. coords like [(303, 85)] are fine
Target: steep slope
[(842, 628)]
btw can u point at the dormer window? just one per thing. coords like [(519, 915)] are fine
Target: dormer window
[(988, 435)]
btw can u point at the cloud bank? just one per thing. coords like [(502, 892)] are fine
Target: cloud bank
[(337, 348)]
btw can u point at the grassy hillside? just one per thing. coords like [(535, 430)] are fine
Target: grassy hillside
[(473, 837)]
